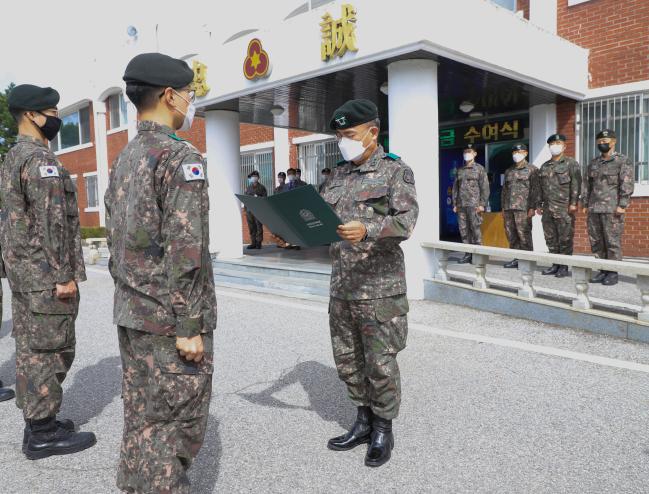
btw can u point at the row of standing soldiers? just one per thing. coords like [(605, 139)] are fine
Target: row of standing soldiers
[(554, 191)]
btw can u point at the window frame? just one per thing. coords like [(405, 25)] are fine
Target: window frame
[(89, 208), (57, 149)]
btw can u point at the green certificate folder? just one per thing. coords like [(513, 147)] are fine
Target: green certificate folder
[(300, 216)]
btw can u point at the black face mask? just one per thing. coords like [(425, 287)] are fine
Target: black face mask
[(51, 127), (604, 147)]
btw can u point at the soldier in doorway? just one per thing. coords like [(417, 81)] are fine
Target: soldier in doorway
[(560, 189), (255, 228), (470, 198), (607, 194)]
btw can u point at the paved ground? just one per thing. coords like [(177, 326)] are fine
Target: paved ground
[(491, 404)]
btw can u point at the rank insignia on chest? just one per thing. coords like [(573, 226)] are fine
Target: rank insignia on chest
[(193, 171), (49, 171)]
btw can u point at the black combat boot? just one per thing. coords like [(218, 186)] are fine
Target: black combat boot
[(380, 448), (611, 279), (468, 257), (599, 277), (551, 270), (66, 424), (358, 434), (511, 264), (562, 272), (6, 393), (47, 438), (251, 246)]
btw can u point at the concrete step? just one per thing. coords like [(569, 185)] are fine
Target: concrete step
[(261, 268)]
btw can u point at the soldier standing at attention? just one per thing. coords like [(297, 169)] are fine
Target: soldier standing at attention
[(520, 197), (325, 174), (560, 189), (374, 195), (281, 182), (41, 249), (255, 228), (607, 194), (470, 198), (5, 393), (165, 308)]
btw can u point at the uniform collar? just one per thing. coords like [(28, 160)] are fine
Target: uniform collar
[(614, 155), (31, 140), (563, 158), (521, 165), (371, 164), (150, 126)]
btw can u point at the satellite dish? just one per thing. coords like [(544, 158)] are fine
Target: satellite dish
[(131, 31)]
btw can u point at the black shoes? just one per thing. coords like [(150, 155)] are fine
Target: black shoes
[(511, 264), (611, 279), (562, 272), (6, 393), (358, 434), (66, 424), (551, 270), (601, 276), (48, 438), (251, 246), (380, 449), (466, 259)]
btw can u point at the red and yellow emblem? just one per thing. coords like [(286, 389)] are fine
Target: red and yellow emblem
[(257, 62)]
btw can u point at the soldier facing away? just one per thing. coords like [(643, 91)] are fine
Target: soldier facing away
[(560, 189), (374, 195), (41, 249), (165, 306), (607, 194), (520, 197), (470, 198), (255, 227)]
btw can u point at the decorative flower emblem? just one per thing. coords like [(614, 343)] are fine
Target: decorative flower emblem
[(257, 62)]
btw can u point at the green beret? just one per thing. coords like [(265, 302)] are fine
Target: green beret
[(606, 133), (354, 112), (556, 137), (519, 147), (158, 70), (32, 98)]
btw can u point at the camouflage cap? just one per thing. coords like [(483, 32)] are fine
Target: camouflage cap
[(354, 112)]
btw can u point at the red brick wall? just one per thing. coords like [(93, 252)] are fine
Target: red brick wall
[(292, 150), (566, 119), (617, 34), (196, 134), (524, 5), (254, 134), (114, 145)]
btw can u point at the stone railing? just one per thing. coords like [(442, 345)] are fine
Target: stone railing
[(582, 268)]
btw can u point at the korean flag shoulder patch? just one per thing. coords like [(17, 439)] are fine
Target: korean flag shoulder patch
[(49, 171), (193, 171)]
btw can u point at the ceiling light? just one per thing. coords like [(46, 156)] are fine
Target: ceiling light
[(466, 106), (277, 110)]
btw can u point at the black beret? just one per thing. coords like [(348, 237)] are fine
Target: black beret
[(469, 146), (281, 174), (326, 170), (254, 173), (519, 147), (556, 137), (32, 98), (158, 70), (354, 112), (606, 133)]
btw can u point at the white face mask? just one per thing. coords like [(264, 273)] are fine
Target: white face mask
[(189, 114), (352, 149), (254, 180), (291, 178), (468, 157), (556, 149), (518, 157)]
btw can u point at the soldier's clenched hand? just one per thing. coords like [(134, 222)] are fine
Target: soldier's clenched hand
[(620, 211), (353, 232), (66, 290), (190, 348)]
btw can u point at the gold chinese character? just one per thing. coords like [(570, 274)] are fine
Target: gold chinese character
[(199, 84), (338, 35)]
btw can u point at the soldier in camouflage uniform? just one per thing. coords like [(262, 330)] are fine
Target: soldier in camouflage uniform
[(165, 306), (374, 195), (5, 393), (255, 228), (520, 197), (607, 194), (41, 249), (560, 190), (470, 198)]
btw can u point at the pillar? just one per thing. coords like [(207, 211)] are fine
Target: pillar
[(414, 130), (223, 169)]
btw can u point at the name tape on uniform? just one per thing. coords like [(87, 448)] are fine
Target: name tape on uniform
[(193, 171), (49, 171)]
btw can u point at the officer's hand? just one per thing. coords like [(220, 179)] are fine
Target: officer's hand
[(454, 209), (539, 211), (620, 211), (572, 209), (530, 213), (190, 348), (480, 209), (353, 232), (584, 210), (66, 290)]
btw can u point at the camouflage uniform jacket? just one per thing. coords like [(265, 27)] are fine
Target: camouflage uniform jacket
[(609, 184), (560, 184), (521, 189), (157, 223), (471, 187), (381, 194), (39, 223), (256, 190)]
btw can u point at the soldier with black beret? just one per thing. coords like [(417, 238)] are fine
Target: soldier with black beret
[(165, 306), (560, 190), (325, 174), (41, 249), (255, 227), (607, 194), (373, 192)]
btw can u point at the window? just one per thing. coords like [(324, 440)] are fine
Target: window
[(629, 117), (507, 4), (75, 130), (92, 191), (262, 161), (314, 156), (117, 111)]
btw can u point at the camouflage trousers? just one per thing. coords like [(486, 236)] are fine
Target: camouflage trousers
[(559, 231), (166, 407), (366, 336), (518, 227), (469, 221), (255, 228), (605, 233), (43, 327)]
